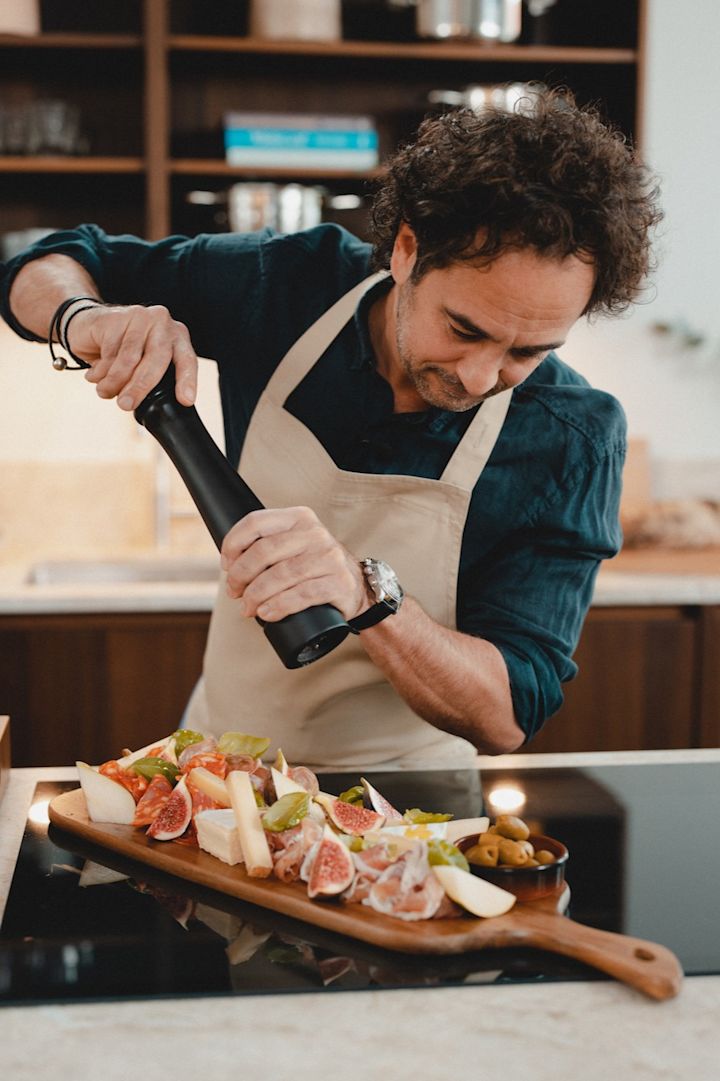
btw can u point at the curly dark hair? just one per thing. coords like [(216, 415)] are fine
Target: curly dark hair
[(551, 175)]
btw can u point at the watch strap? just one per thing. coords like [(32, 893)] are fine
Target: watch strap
[(375, 614)]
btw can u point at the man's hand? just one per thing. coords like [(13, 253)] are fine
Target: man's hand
[(129, 350), (284, 561)]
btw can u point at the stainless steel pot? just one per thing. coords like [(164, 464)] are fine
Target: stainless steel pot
[(488, 20), (444, 18)]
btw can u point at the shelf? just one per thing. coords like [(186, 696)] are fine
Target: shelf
[(395, 50), (217, 167), (30, 164), (71, 41)]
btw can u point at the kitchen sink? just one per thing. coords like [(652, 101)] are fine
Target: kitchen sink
[(131, 571)]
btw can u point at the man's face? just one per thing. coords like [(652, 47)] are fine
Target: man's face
[(464, 333)]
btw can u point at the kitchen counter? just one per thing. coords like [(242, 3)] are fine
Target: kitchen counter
[(589, 1030), (632, 578)]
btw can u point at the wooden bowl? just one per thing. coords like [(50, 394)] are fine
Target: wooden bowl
[(527, 883)]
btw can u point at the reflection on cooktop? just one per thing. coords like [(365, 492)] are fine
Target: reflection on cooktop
[(83, 923)]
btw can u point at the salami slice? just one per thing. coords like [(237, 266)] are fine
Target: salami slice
[(152, 800), (211, 760), (128, 778)]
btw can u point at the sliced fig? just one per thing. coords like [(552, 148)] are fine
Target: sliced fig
[(348, 817), (377, 802), (332, 869), (174, 817)]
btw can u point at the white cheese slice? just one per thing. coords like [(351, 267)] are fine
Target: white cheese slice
[(258, 861), (218, 835), (209, 783)]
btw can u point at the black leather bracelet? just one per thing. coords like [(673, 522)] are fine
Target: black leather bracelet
[(61, 363)]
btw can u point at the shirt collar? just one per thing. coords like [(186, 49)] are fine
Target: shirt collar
[(435, 419)]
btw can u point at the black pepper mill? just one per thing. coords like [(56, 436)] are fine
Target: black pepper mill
[(223, 498)]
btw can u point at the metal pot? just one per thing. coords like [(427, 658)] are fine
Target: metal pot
[(444, 18), (488, 20)]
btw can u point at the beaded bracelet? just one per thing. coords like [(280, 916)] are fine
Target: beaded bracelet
[(60, 363)]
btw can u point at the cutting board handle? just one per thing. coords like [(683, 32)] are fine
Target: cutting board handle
[(647, 966)]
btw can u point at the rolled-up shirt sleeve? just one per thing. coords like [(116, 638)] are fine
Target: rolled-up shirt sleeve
[(200, 280), (530, 600)]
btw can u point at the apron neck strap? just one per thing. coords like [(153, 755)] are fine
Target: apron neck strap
[(311, 345), (473, 450)]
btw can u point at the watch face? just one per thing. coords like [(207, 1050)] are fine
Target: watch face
[(383, 581)]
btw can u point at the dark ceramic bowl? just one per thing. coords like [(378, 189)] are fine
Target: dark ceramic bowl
[(527, 883)]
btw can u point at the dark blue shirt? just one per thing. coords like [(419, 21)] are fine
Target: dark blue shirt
[(544, 511)]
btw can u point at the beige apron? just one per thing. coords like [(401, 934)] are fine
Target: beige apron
[(340, 711)]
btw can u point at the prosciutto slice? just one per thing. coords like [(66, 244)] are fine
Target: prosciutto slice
[(290, 847), (407, 889)]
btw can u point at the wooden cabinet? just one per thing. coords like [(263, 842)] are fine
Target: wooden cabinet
[(647, 680), (153, 79), (85, 686)]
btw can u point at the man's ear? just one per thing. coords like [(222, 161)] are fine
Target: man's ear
[(404, 254)]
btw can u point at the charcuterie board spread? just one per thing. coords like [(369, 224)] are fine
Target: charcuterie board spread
[(211, 811)]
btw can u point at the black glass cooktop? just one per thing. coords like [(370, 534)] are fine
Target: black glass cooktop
[(82, 923)]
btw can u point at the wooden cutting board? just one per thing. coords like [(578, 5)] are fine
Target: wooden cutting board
[(646, 966)]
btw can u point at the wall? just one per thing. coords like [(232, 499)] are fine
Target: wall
[(59, 444), (671, 392)]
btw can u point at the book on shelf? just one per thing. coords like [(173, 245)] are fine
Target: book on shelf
[(299, 139)]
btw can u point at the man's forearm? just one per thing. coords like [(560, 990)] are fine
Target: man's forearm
[(42, 285), (454, 681)]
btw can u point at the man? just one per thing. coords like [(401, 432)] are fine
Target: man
[(418, 417)]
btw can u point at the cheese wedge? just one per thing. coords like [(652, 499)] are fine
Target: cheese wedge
[(209, 783), (472, 893), (256, 852), (218, 835)]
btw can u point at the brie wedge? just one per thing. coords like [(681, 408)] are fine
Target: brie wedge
[(218, 835)]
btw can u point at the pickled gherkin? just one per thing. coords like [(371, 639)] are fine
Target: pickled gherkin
[(286, 812), (185, 737), (416, 817), (442, 852), (240, 743), (150, 767), (353, 795)]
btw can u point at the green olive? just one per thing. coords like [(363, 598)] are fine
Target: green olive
[(512, 854), (483, 855), (487, 838), (512, 827)]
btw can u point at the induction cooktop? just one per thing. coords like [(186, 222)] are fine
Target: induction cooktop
[(84, 924)]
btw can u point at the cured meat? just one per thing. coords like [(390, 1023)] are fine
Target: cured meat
[(152, 800), (209, 744), (128, 778), (201, 801), (212, 760), (305, 778), (289, 848), (407, 889), (369, 865)]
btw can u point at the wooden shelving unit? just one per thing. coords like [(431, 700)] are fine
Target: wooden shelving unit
[(172, 87)]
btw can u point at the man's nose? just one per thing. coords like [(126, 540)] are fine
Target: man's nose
[(480, 371)]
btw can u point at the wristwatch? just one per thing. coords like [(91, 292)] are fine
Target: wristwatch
[(387, 591)]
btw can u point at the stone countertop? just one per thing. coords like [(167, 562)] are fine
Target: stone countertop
[(632, 578), (589, 1030)]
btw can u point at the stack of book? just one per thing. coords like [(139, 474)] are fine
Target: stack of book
[(302, 141)]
